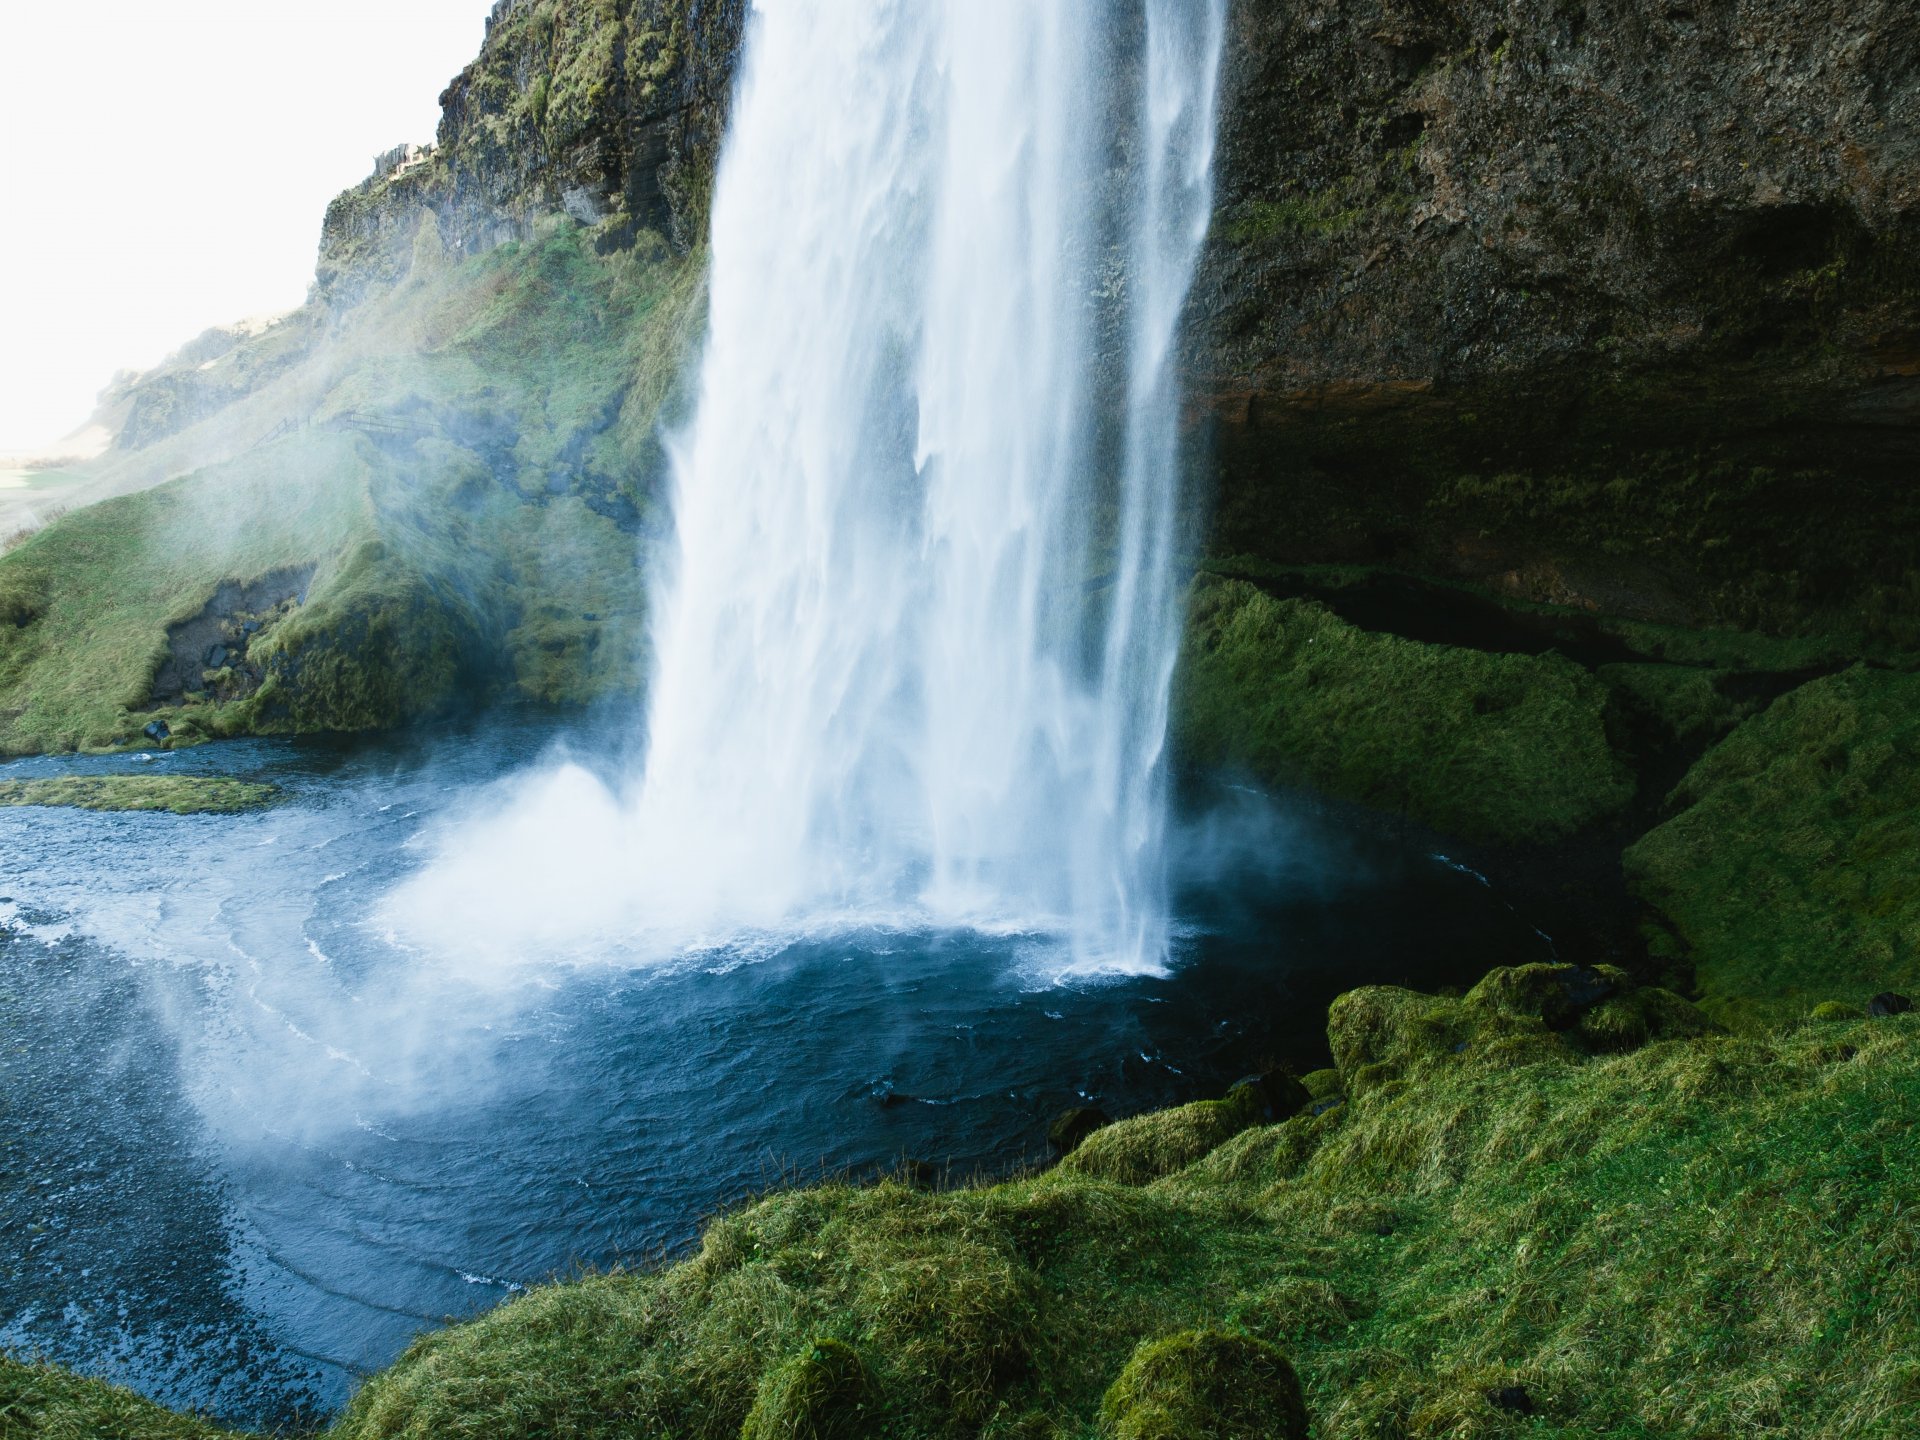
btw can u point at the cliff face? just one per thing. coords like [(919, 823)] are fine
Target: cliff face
[(1608, 302), (1611, 303), (609, 111)]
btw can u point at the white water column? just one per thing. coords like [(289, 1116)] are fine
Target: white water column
[(912, 659)]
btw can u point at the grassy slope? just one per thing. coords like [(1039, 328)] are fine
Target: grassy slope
[(1504, 747), (1792, 871), (40, 1402), (1654, 1229), (448, 468)]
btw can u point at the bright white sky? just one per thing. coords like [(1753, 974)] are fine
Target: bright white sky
[(164, 165)]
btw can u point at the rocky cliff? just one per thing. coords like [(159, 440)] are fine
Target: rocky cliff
[(608, 111), (1613, 303)]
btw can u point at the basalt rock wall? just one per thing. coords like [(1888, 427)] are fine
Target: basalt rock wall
[(1605, 302)]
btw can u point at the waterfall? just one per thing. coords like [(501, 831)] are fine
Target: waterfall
[(913, 656), (912, 652)]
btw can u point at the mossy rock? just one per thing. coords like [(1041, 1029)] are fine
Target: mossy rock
[(1792, 871), (1206, 1385), (824, 1393), (1071, 1127), (1516, 1015), (1150, 1147), (1322, 1085), (1486, 746)]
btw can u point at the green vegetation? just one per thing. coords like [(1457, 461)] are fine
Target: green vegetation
[(823, 1393), (1323, 216), (40, 1402), (1772, 552), (1206, 1382), (178, 794), (1791, 873), (1681, 701), (1505, 747), (463, 471), (1556, 1206)]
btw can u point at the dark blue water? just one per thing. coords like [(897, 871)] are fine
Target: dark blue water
[(249, 1147)]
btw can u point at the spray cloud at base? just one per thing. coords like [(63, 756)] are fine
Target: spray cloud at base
[(913, 654)]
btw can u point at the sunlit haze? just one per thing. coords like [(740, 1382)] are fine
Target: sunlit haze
[(165, 168)]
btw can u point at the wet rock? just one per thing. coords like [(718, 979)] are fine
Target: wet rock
[(157, 730), (213, 639), (1074, 1126), (1887, 1003), (1512, 1398)]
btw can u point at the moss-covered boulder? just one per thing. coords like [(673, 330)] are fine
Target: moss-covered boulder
[(1206, 1383), (1486, 746), (1147, 1147), (1791, 874), (823, 1393), (1519, 1015)]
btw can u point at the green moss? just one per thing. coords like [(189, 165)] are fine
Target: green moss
[(823, 1393), (465, 493), (1205, 1383), (1506, 747), (1140, 1151), (179, 794), (1835, 1010), (38, 1402), (1321, 216), (1792, 870), (1683, 702)]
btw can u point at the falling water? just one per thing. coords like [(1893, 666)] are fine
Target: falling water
[(913, 654), (916, 650)]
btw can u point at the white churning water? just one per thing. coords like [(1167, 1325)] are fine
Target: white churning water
[(913, 655)]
